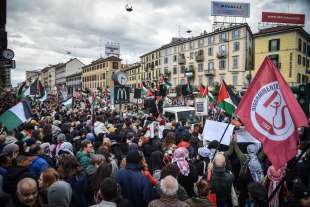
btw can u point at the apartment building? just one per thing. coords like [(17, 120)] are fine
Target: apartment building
[(135, 74), (222, 54), (151, 67), (98, 74), (289, 49)]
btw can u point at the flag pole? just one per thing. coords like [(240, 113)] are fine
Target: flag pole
[(221, 140), (290, 168)]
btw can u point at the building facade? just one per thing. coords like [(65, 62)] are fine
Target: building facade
[(151, 67), (289, 49), (98, 74), (32, 74), (222, 54), (74, 83), (135, 74), (60, 75)]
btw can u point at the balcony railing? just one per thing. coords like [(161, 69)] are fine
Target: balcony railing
[(199, 58), (221, 55), (209, 72)]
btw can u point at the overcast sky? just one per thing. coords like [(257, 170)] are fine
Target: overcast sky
[(41, 31)]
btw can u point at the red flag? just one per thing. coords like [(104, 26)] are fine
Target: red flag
[(270, 112), (203, 90)]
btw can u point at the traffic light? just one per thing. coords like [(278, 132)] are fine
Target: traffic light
[(303, 97)]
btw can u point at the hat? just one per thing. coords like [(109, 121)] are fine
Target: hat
[(61, 137), (34, 122), (10, 148), (90, 136), (66, 148), (10, 140), (133, 157), (204, 151), (112, 129), (59, 194)]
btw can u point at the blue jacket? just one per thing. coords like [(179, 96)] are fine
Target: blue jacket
[(135, 186), (38, 165)]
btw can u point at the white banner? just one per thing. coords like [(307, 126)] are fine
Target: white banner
[(232, 9), (213, 130)]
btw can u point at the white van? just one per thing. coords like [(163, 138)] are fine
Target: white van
[(181, 113)]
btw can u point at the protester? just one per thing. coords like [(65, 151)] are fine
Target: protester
[(59, 194), (168, 188)]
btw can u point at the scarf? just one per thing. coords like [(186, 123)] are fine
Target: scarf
[(254, 165), (179, 157), (275, 176)]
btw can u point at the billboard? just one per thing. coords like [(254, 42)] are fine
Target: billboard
[(112, 49), (231, 9), (283, 18)]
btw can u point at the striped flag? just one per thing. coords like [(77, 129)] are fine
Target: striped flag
[(227, 100), (16, 115)]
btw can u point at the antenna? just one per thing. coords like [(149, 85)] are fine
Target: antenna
[(179, 30)]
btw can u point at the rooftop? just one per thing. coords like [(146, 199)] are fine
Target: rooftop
[(281, 29)]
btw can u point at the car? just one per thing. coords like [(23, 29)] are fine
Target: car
[(180, 114)]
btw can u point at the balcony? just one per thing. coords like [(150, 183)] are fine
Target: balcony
[(209, 72), (221, 55), (199, 58), (181, 61)]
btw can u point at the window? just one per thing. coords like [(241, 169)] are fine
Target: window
[(236, 34), (307, 63), (304, 49), (274, 45), (308, 50), (182, 81), (235, 62), (303, 61), (298, 77), (201, 42), (275, 60), (115, 65), (235, 79), (175, 49), (210, 81), (165, 60), (210, 51), (236, 46), (181, 48), (210, 66), (299, 44), (222, 64), (191, 55), (174, 70), (210, 40), (182, 69), (174, 58), (299, 59), (200, 67), (223, 37), (222, 49)]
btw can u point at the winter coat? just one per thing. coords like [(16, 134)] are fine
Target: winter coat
[(84, 159), (188, 181), (38, 165), (99, 127), (198, 202), (221, 184), (135, 186), (168, 201), (13, 176)]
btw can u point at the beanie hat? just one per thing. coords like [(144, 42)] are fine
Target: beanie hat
[(10, 148), (90, 136), (61, 137), (59, 194)]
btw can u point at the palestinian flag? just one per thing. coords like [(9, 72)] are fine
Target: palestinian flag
[(16, 115), (203, 90), (227, 100), (164, 82)]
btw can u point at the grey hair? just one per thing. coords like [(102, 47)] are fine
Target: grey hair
[(169, 185), (26, 182)]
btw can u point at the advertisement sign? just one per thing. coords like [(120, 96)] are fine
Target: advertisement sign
[(121, 94), (231, 9), (201, 106), (283, 18), (112, 49)]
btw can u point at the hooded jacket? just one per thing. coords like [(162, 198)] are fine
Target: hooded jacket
[(99, 127)]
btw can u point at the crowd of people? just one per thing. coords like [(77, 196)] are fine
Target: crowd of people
[(81, 156)]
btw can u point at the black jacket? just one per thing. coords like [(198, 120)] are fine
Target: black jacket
[(188, 181), (221, 184)]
